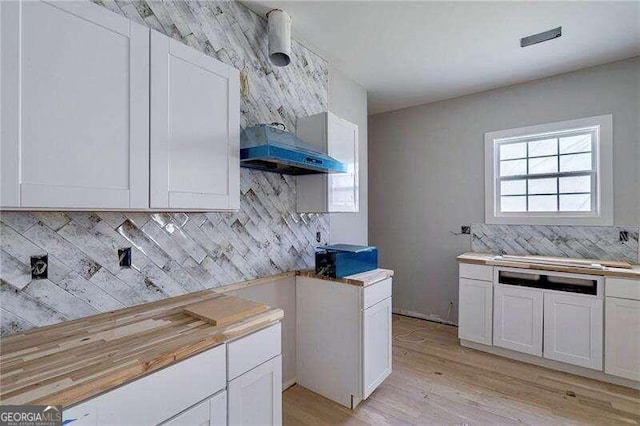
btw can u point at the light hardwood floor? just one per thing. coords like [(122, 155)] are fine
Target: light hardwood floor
[(440, 382)]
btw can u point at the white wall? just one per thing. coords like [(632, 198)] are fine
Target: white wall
[(348, 100), (427, 170)]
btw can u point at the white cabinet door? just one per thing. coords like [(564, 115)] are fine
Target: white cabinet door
[(211, 412), (517, 319), (376, 346), (343, 146), (195, 129), (573, 329), (622, 338), (75, 107), (475, 311), (255, 398), (334, 192)]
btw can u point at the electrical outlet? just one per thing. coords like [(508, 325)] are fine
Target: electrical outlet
[(39, 267), (124, 257), (465, 229), (624, 236), (318, 236)]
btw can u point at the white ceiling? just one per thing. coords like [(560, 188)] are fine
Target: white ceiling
[(413, 52)]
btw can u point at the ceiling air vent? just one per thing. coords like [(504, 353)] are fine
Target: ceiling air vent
[(541, 37)]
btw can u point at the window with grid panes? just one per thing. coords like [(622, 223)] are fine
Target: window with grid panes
[(554, 173), (550, 173)]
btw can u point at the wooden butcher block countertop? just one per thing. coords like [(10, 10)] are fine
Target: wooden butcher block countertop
[(362, 279), (633, 272), (66, 363)]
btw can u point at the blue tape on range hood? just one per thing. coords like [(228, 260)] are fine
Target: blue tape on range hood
[(267, 157), (265, 147)]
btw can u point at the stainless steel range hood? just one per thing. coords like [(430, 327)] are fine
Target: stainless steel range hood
[(266, 147)]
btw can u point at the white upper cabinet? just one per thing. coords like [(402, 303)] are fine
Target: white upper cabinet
[(195, 129), (337, 192), (81, 89), (75, 107)]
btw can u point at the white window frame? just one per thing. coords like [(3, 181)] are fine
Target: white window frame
[(601, 182)]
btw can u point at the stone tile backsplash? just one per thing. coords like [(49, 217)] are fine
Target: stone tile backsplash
[(587, 242), (233, 34), (174, 253)]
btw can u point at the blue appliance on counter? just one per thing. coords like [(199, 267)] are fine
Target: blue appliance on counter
[(341, 260)]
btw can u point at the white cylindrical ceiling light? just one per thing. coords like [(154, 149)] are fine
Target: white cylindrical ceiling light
[(279, 37)]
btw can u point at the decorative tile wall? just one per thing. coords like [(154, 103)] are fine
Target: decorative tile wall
[(587, 242), (174, 253), (233, 34)]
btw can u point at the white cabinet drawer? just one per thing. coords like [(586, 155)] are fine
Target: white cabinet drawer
[(250, 351), (162, 394), (623, 288), (476, 272), (212, 412), (198, 415), (377, 292)]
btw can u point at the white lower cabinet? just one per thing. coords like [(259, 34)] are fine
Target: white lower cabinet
[(198, 391), (585, 320), (475, 315), (211, 412), (377, 346), (255, 398), (153, 398), (573, 329), (343, 338), (242, 353), (622, 337), (255, 378), (517, 319)]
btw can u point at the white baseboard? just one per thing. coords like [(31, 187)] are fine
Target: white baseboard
[(288, 384), (554, 365), (418, 315)]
